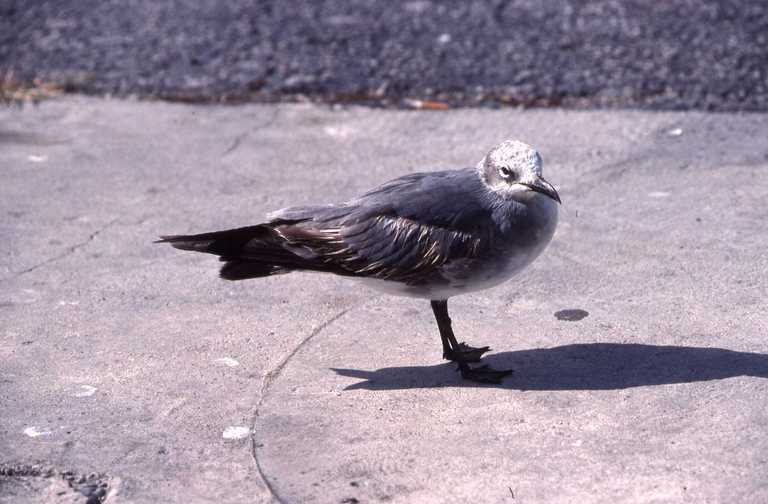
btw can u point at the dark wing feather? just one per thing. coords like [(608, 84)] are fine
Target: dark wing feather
[(416, 248), (401, 231), (404, 230), (387, 247)]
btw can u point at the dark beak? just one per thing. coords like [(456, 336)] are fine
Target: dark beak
[(543, 187)]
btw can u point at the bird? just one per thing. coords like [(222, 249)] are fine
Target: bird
[(429, 235)]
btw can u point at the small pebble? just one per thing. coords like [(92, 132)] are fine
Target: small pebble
[(35, 432), (236, 432), (85, 391)]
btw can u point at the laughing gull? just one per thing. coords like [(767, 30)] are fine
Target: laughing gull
[(428, 235)]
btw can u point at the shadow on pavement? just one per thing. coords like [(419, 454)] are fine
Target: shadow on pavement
[(594, 366)]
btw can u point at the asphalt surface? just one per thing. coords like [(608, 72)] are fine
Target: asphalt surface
[(129, 370), (678, 54)]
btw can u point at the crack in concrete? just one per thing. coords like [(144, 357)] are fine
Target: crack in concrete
[(69, 251), (269, 379), (242, 136)]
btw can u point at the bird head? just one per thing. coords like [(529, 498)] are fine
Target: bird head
[(512, 169)]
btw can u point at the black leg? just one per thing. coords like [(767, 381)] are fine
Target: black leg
[(440, 309), (462, 353), (453, 350)]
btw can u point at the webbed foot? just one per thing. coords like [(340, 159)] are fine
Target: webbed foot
[(465, 353)]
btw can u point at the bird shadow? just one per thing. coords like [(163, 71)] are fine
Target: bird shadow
[(593, 366)]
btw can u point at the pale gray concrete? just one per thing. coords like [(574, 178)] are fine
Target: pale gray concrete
[(658, 395)]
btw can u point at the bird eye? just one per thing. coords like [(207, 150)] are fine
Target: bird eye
[(506, 172)]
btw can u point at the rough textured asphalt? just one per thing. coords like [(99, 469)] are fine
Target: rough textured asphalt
[(129, 369), (678, 54)]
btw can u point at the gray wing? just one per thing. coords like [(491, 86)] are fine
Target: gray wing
[(403, 231)]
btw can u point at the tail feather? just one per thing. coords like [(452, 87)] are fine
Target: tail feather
[(242, 270), (223, 243), (248, 252)]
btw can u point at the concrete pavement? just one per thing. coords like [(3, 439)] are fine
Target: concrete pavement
[(130, 367)]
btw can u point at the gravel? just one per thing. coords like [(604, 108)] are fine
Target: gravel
[(681, 54)]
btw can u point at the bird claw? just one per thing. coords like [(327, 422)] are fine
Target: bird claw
[(484, 374), (466, 353)]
